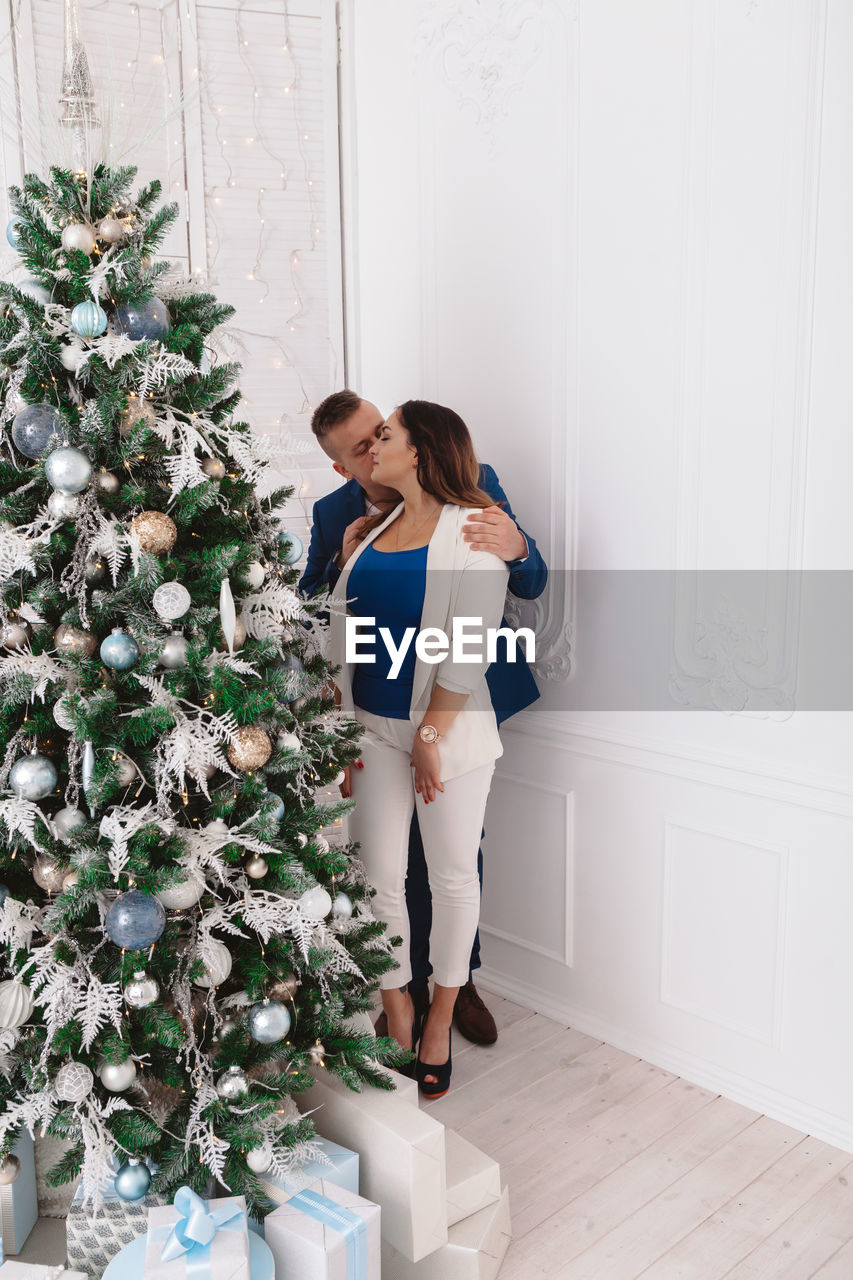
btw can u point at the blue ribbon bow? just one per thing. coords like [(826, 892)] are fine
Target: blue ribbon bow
[(196, 1226)]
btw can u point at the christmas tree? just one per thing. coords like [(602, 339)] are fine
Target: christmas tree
[(181, 944)]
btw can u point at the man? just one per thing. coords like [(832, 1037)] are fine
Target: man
[(346, 426)]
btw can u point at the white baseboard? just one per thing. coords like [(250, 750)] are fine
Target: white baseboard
[(824, 1125)]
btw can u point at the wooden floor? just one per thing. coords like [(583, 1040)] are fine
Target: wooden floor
[(617, 1169)]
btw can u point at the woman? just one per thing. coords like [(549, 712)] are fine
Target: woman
[(430, 738)]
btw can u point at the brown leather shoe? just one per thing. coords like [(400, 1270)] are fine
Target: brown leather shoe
[(420, 999), (472, 1018)]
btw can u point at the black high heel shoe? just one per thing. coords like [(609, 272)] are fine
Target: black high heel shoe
[(408, 1068), (439, 1087)]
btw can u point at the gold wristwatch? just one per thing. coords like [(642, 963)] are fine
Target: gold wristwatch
[(429, 733)]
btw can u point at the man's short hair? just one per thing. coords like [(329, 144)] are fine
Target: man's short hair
[(334, 410)]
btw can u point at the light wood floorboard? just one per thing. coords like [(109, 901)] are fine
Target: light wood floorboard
[(619, 1170)]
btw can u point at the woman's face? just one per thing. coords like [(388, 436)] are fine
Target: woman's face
[(394, 457)]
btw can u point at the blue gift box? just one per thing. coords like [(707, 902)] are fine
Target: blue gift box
[(341, 1172), (19, 1200), (130, 1263)]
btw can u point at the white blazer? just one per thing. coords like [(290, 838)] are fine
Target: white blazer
[(462, 583)]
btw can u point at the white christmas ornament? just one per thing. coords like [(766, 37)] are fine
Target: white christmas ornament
[(74, 1082), (288, 741), (316, 903), (78, 235), (68, 820), (16, 1004), (227, 613), (63, 505), (71, 355), (62, 715), (259, 1159), (255, 574), (217, 966), (171, 601), (180, 896), (118, 1076)]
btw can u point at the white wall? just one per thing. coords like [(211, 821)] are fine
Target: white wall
[(615, 236)]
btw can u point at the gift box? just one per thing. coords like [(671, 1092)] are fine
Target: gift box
[(130, 1263), (475, 1249), (202, 1239), (93, 1237), (37, 1271), (342, 1171), (325, 1233), (473, 1178), (18, 1199), (401, 1159)]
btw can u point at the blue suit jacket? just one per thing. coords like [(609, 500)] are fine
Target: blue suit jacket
[(511, 684)]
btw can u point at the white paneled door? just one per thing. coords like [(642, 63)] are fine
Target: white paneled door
[(234, 108)]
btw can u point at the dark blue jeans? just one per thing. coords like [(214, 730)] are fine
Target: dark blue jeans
[(419, 906)]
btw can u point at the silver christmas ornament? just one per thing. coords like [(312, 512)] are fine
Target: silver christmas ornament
[(16, 1004), (218, 828), (142, 990), (10, 1167), (217, 967), (257, 867), (68, 470), (63, 505), (33, 777), (213, 467), (78, 235), (342, 906), (254, 574), (107, 482), (69, 880), (173, 652), (74, 642), (62, 714), (68, 820), (259, 1159), (288, 741), (285, 988), (15, 634), (171, 601), (226, 1026), (268, 1022), (232, 1084), (183, 895), (48, 874), (301, 839), (34, 427), (71, 355), (321, 844), (127, 772), (94, 570), (87, 773), (227, 613), (118, 1076), (111, 230), (73, 1082), (132, 1180), (317, 1054), (316, 903)]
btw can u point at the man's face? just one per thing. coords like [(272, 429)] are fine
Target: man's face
[(348, 446)]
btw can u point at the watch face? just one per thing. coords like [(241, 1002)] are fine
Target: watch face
[(428, 733)]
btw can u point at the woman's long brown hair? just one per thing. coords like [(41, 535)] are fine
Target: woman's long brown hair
[(447, 465)]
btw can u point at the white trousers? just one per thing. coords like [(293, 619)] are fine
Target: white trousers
[(384, 791)]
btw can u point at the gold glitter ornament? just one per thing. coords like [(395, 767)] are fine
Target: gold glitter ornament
[(157, 532), (250, 748), (137, 411)]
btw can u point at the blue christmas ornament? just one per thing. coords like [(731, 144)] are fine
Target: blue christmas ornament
[(12, 233), (135, 920), (5, 892), (88, 319), (268, 1022), (33, 427), (140, 320), (291, 546), (278, 812), (119, 651), (132, 1180)]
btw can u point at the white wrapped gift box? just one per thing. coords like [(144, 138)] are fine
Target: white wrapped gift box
[(341, 1171), (475, 1249), (401, 1159), (37, 1271), (228, 1257), (19, 1199), (325, 1233), (473, 1178)]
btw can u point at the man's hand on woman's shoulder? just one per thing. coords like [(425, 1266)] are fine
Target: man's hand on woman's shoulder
[(493, 530)]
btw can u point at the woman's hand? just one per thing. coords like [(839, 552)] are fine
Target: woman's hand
[(353, 535), (346, 785), (426, 763)]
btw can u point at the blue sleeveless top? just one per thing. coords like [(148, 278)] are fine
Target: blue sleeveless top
[(390, 587)]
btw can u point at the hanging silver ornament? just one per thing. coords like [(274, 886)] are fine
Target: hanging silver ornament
[(66, 821), (73, 1082), (232, 1084), (69, 880), (268, 1021), (94, 570), (259, 1159), (142, 991), (111, 230), (218, 828), (127, 771), (342, 906), (226, 1026), (132, 1180), (33, 777), (74, 642), (284, 988), (117, 1076), (87, 773), (173, 652), (317, 1054), (119, 650), (62, 714), (227, 613), (10, 1167), (78, 235), (213, 467), (107, 483), (254, 574), (316, 903), (49, 874), (34, 427), (63, 505), (217, 966), (180, 896), (137, 411), (321, 844), (171, 601), (257, 867), (288, 741), (71, 355), (68, 470), (301, 839), (16, 1004), (15, 634)]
